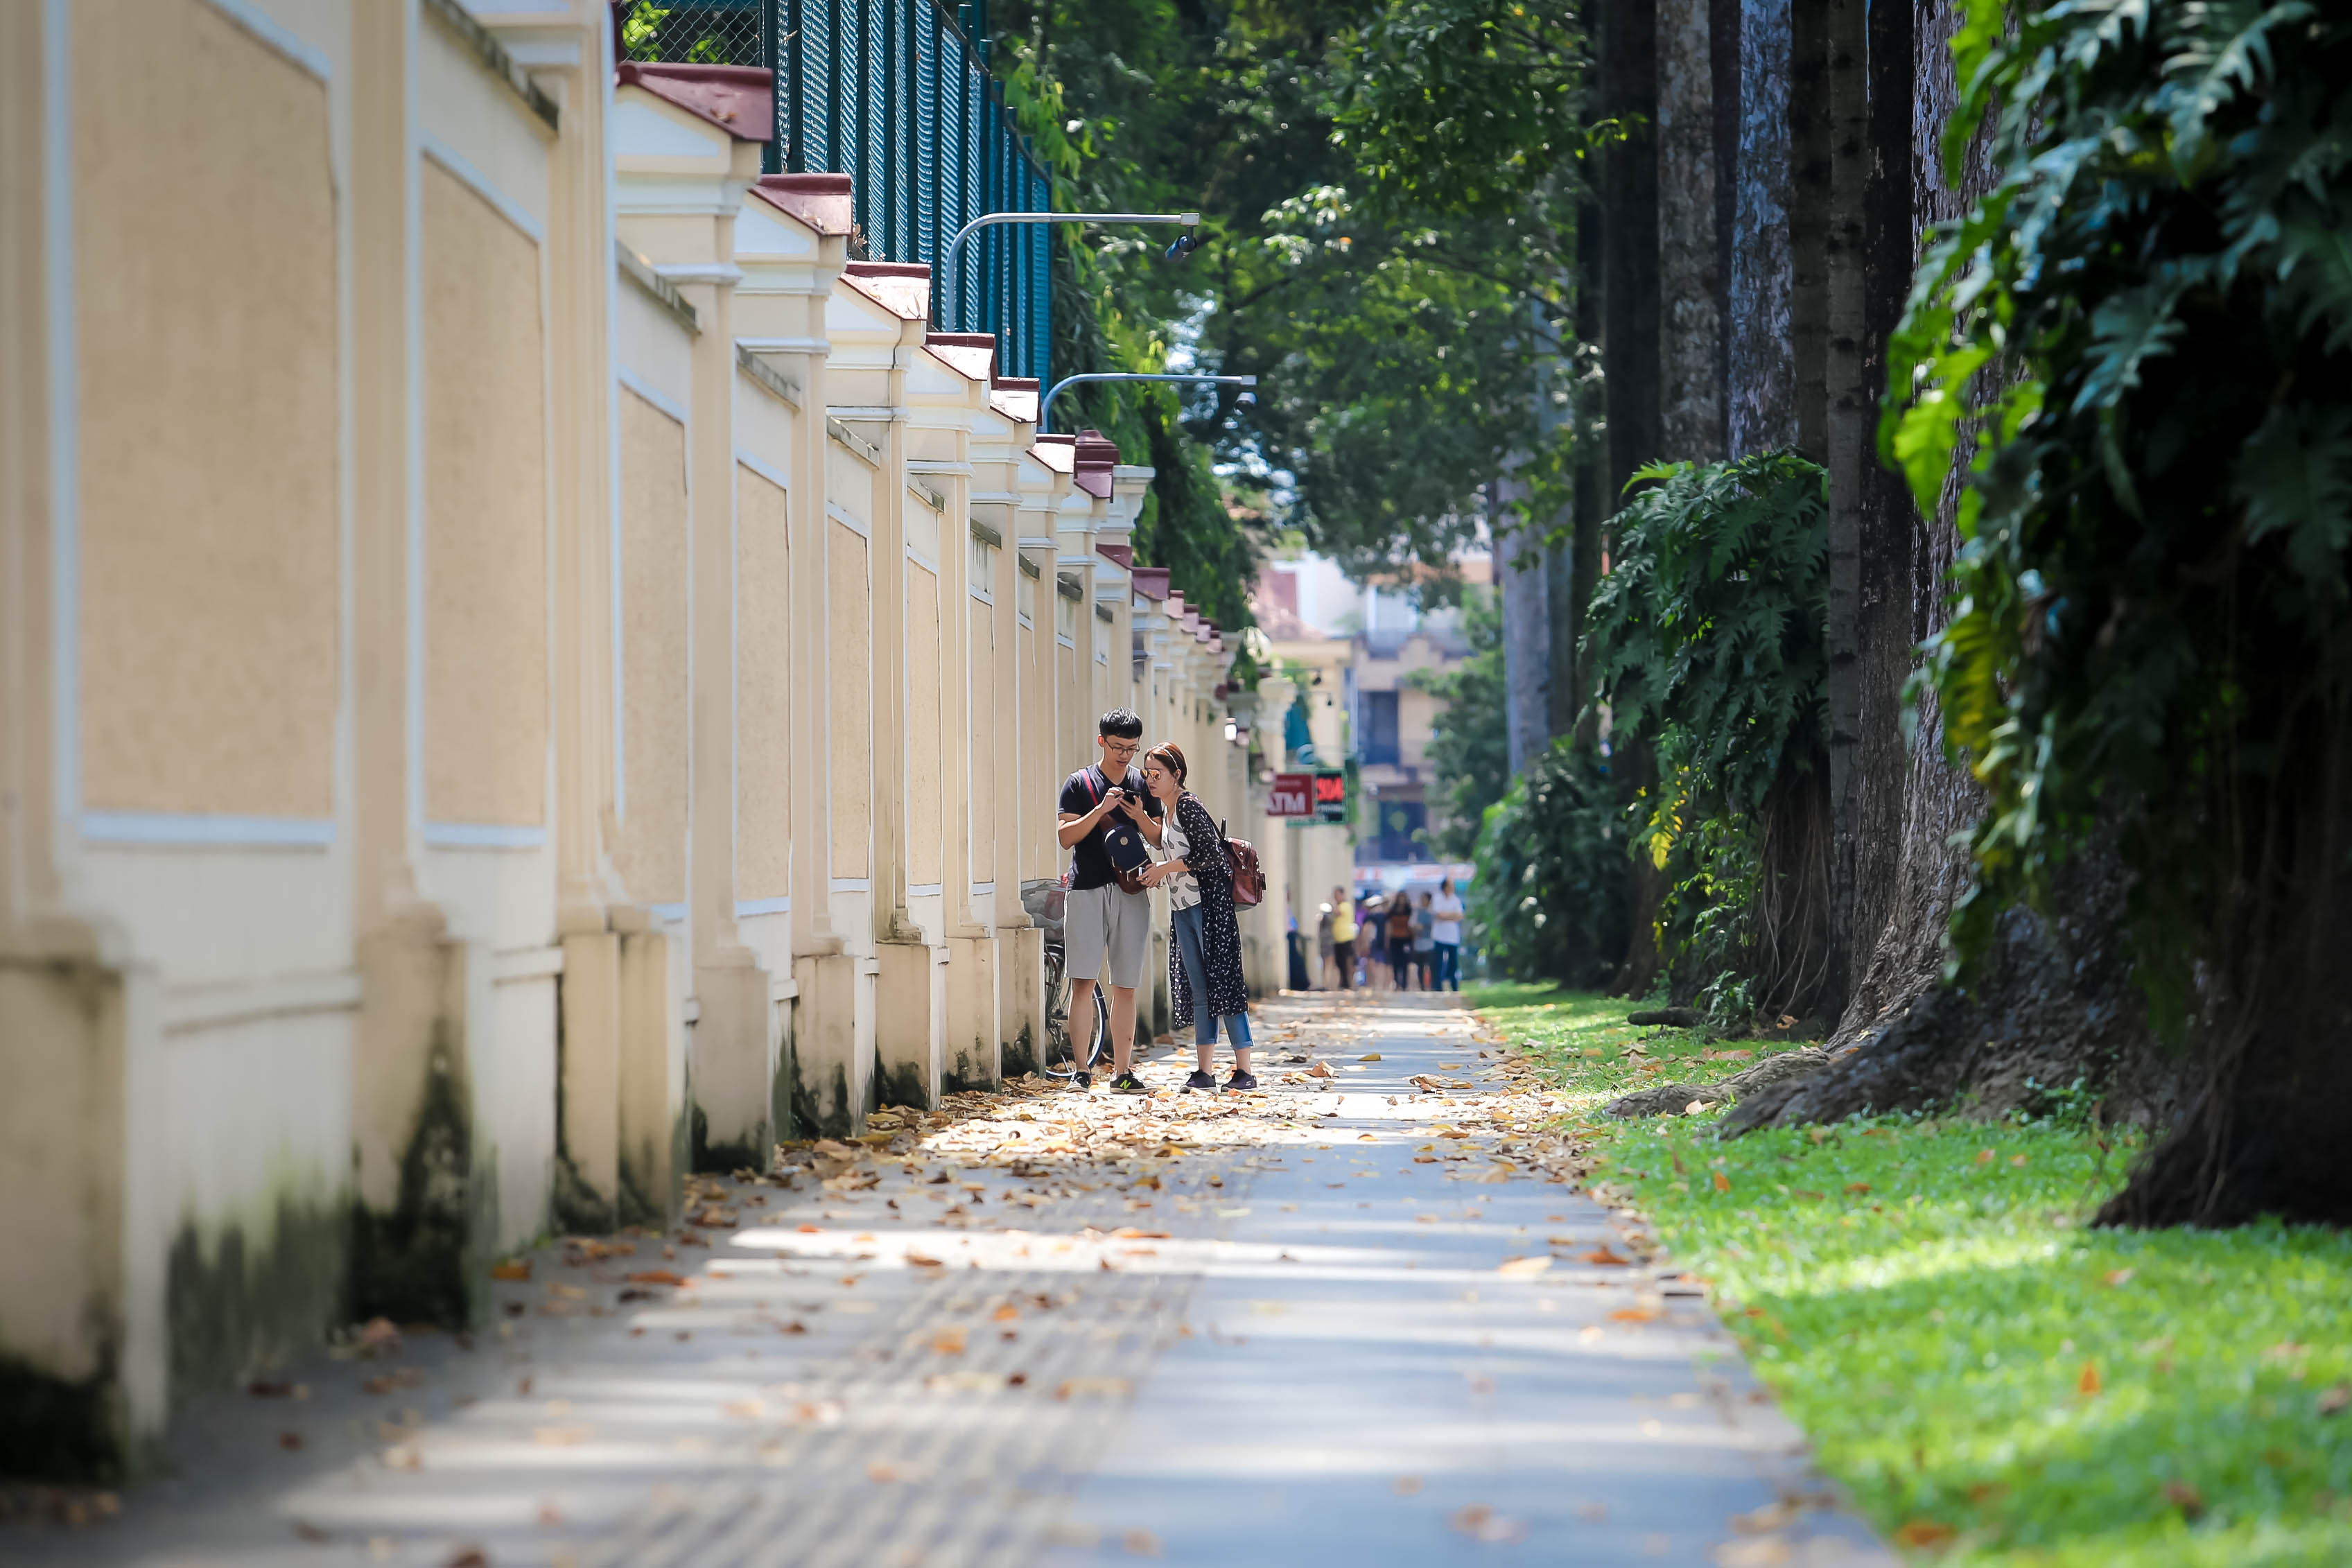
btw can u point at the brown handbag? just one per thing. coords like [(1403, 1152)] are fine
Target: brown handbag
[(1249, 876)]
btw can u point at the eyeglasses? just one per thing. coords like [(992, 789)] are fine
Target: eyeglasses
[(1121, 748)]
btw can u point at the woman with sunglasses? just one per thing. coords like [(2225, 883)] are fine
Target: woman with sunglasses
[(1205, 960)]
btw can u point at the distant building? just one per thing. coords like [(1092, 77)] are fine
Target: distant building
[(1356, 648)]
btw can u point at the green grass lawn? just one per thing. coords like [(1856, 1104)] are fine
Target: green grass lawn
[(1992, 1381)]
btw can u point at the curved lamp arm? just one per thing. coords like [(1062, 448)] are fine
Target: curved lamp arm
[(986, 220), (1046, 405)]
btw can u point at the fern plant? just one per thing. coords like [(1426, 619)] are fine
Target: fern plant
[(1709, 638)]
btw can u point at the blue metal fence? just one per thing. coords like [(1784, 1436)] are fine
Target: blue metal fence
[(897, 95)]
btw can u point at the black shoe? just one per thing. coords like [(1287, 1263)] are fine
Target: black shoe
[(1206, 1081), (1240, 1081), (1127, 1083), (1082, 1080)]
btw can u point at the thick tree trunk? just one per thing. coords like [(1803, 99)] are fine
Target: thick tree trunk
[(1627, 39), (1762, 392), (2053, 1002), (1908, 800), (1852, 372), (1690, 317)]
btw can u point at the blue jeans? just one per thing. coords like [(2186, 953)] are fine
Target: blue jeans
[(1449, 965), (1196, 970)]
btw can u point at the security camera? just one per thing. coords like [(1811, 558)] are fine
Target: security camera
[(1181, 246)]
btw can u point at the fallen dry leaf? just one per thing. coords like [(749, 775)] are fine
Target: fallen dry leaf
[(1857, 1187), (1097, 1388), (1141, 1543), (1921, 1532), (519, 1270), (1641, 1314), (2184, 1496), (1524, 1267), (1606, 1258), (1483, 1523), (656, 1277), (1373, 1057), (1405, 1485), (2087, 1383), (1722, 1183), (947, 1342)]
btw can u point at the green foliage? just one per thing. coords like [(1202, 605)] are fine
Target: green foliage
[(1712, 623), (1548, 900), (1709, 639), (2135, 345), (1469, 744), (1397, 313)]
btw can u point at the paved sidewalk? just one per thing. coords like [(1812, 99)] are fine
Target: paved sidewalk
[(1346, 1320)]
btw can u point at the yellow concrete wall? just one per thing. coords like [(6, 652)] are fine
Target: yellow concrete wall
[(484, 512), (206, 315), (764, 688), (927, 753), (850, 616), (980, 678), (651, 852)]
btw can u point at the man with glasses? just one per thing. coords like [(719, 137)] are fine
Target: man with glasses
[(1104, 825)]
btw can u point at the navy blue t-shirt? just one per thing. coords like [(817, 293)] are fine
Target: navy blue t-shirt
[(1090, 857)]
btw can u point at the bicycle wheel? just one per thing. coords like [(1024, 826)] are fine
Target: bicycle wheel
[(1058, 1061)]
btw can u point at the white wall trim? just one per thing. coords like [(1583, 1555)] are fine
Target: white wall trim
[(189, 1008), (207, 829), (925, 889), (659, 399), (746, 907), (510, 964), (923, 560), (268, 30), (853, 884), (483, 836), (449, 158), (669, 913), (835, 511), (983, 890), (765, 471)]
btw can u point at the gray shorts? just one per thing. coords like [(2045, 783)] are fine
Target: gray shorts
[(1099, 921)]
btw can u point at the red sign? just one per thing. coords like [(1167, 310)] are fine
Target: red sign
[(1293, 796)]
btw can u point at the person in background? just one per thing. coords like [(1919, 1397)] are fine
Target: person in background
[(1366, 937), (1325, 919), (1424, 945), (1204, 949), (1400, 939), (1343, 938), (1445, 935)]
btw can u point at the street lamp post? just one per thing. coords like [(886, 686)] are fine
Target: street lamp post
[(1045, 406), (948, 258)]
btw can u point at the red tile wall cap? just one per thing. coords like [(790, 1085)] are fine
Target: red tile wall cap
[(1152, 582), (1056, 438), (1096, 456), (738, 100), (888, 269), (972, 354), (1018, 384), (906, 293), (820, 201), (1122, 554)]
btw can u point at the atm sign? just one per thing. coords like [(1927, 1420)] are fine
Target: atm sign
[(1293, 796)]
